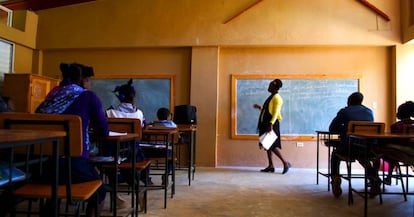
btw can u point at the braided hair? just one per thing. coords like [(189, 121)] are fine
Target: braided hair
[(71, 73), (126, 92)]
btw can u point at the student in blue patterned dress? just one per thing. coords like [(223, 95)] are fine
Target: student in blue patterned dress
[(71, 98)]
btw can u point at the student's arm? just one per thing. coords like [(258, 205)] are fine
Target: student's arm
[(98, 118), (338, 123)]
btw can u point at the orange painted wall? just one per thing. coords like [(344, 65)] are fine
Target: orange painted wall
[(371, 63), (192, 40), (132, 61)]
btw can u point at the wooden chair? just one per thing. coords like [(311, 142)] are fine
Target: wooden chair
[(71, 146), (357, 127), (158, 145), (402, 157), (131, 125)]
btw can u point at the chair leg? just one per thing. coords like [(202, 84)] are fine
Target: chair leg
[(350, 196), (400, 177)]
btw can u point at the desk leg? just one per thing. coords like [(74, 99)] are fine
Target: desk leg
[(190, 158), (56, 177), (115, 184), (317, 158), (194, 144)]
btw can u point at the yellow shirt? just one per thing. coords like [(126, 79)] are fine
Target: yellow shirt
[(275, 105)]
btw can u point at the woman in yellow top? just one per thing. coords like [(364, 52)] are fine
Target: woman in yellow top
[(269, 119)]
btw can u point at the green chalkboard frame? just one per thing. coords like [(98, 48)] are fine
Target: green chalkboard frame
[(152, 90), (235, 134)]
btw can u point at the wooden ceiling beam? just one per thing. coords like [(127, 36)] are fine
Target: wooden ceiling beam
[(36, 5), (375, 9)]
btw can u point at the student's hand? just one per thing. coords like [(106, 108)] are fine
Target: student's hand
[(260, 146)]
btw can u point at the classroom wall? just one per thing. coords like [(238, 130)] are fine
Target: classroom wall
[(405, 76), (23, 34), (144, 23), (202, 45), (128, 62), (293, 61)]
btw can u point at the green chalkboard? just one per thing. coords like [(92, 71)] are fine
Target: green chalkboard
[(309, 104), (152, 91)]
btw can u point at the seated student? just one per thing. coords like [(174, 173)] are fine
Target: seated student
[(354, 111), (404, 113), (127, 109), (71, 98), (163, 120)]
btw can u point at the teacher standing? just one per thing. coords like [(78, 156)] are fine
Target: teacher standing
[(269, 119)]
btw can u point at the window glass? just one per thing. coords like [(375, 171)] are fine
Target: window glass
[(6, 60)]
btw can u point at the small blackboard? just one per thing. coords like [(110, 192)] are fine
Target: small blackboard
[(309, 103), (152, 92)]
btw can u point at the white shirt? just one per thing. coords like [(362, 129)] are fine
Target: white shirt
[(126, 110)]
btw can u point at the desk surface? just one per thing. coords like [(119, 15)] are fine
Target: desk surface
[(187, 127), (11, 136), (117, 137), (124, 137), (386, 135), (163, 131)]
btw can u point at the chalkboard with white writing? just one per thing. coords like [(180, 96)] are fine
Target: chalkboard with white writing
[(308, 104)]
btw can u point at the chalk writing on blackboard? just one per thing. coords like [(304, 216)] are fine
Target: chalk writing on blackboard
[(308, 104), (151, 92)]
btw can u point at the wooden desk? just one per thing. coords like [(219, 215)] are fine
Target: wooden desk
[(11, 139), (166, 137), (363, 140), (121, 141), (329, 139), (190, 131)]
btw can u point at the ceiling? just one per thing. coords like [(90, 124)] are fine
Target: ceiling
[(35, 5)]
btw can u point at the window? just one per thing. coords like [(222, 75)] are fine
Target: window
[(6, 58)]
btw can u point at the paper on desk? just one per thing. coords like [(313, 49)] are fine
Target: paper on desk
[(267, 139), (101, 159), (113, 133)]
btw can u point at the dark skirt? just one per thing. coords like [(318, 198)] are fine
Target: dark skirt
[(276, 127)]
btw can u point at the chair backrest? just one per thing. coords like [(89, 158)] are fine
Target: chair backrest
[(125, 125), (366, 126), (160, 138), (71, 124), (408, 128)]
